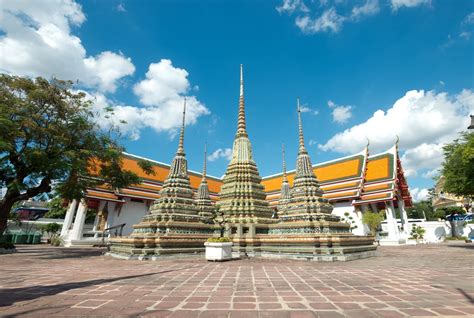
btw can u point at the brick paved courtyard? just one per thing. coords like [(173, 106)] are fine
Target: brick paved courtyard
[(433, 280)]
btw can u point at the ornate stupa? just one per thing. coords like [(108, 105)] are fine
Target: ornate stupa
[(285, 194), (306, 195), (242, 196), (178, 223), (174, 224), (176, 196), (203, 201)]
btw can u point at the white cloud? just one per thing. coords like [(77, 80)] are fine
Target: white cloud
[(312, 142), (162, 94), (424, 121), (371, 7), (431, 173), (340, 113), (163, 82), (121, 8), (290, 6), (418, 194), (220, 153), (329, 21), (424, 156), (397, 4), (37, 41), (469, 19), (330, 16)]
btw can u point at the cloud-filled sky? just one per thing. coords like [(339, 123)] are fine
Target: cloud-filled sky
[(368, 69)]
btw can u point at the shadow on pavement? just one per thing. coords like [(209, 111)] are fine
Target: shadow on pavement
[(466, 295), (468, 246), (10, 296), (61, 252)]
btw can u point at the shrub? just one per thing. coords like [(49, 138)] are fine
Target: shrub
[(373, 220), (7, 245), (52, 229), (417, 232)]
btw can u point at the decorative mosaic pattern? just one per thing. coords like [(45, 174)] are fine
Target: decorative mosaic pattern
[(242, 193)]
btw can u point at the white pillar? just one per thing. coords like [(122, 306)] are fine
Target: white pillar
[(111, 216), (403, 216), (374, 207), (362, 228), (392, 226), (79, 221), (68, 218)]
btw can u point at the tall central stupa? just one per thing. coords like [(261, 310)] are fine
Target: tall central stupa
[(242, 196)]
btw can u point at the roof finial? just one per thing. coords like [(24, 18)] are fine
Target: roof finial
[(368, 142), (300, 129), (397, 141), (241, 127), (284, 162), (181, 134), (205, 162)]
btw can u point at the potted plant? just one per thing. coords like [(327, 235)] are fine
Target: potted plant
[(218, 249)]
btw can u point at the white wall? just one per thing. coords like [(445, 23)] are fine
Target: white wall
[(130, 214), (437, 231), (342, 207)]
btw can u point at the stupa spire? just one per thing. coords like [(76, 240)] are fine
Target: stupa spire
[(242, 196), (181, 133), (205, 162), (202, 197), (285, 179), (302, 148), (241, 125), (285, 186)]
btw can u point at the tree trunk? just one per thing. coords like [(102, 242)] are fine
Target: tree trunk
[(5, 207), (453, 228)]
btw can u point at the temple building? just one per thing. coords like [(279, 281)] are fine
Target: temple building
[(269, 216)]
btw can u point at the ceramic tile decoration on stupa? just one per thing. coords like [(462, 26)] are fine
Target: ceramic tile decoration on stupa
[(307, 229), (175, 223), (285, 194), (242, 197), (303, 227), (203, 201)]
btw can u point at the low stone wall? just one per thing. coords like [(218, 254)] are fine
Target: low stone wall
[(437, 231), (33, 226)]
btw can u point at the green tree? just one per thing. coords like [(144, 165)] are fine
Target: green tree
[(57, 210), (48, 132), (425, 206), (373, 220), (458, 166)]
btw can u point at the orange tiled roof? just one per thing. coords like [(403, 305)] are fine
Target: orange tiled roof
[(357, 177)]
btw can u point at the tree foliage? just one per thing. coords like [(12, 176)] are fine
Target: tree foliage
[(458, 166), (49, 132), (57, 210), (373, 220)]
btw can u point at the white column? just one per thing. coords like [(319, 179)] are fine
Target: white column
[(68, 218), (111, 216), (403, 216), (79, 221), (96, 219), (374, 207), (392, 226), (361, 227)]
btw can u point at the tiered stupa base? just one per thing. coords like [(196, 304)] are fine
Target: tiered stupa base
[(156, 237), (323, 238)]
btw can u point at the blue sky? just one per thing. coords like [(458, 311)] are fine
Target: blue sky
[(408, 61)]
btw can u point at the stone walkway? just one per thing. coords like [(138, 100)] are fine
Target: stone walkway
[(411, 281)]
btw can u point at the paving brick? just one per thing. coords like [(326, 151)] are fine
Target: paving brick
[(93, 284)]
